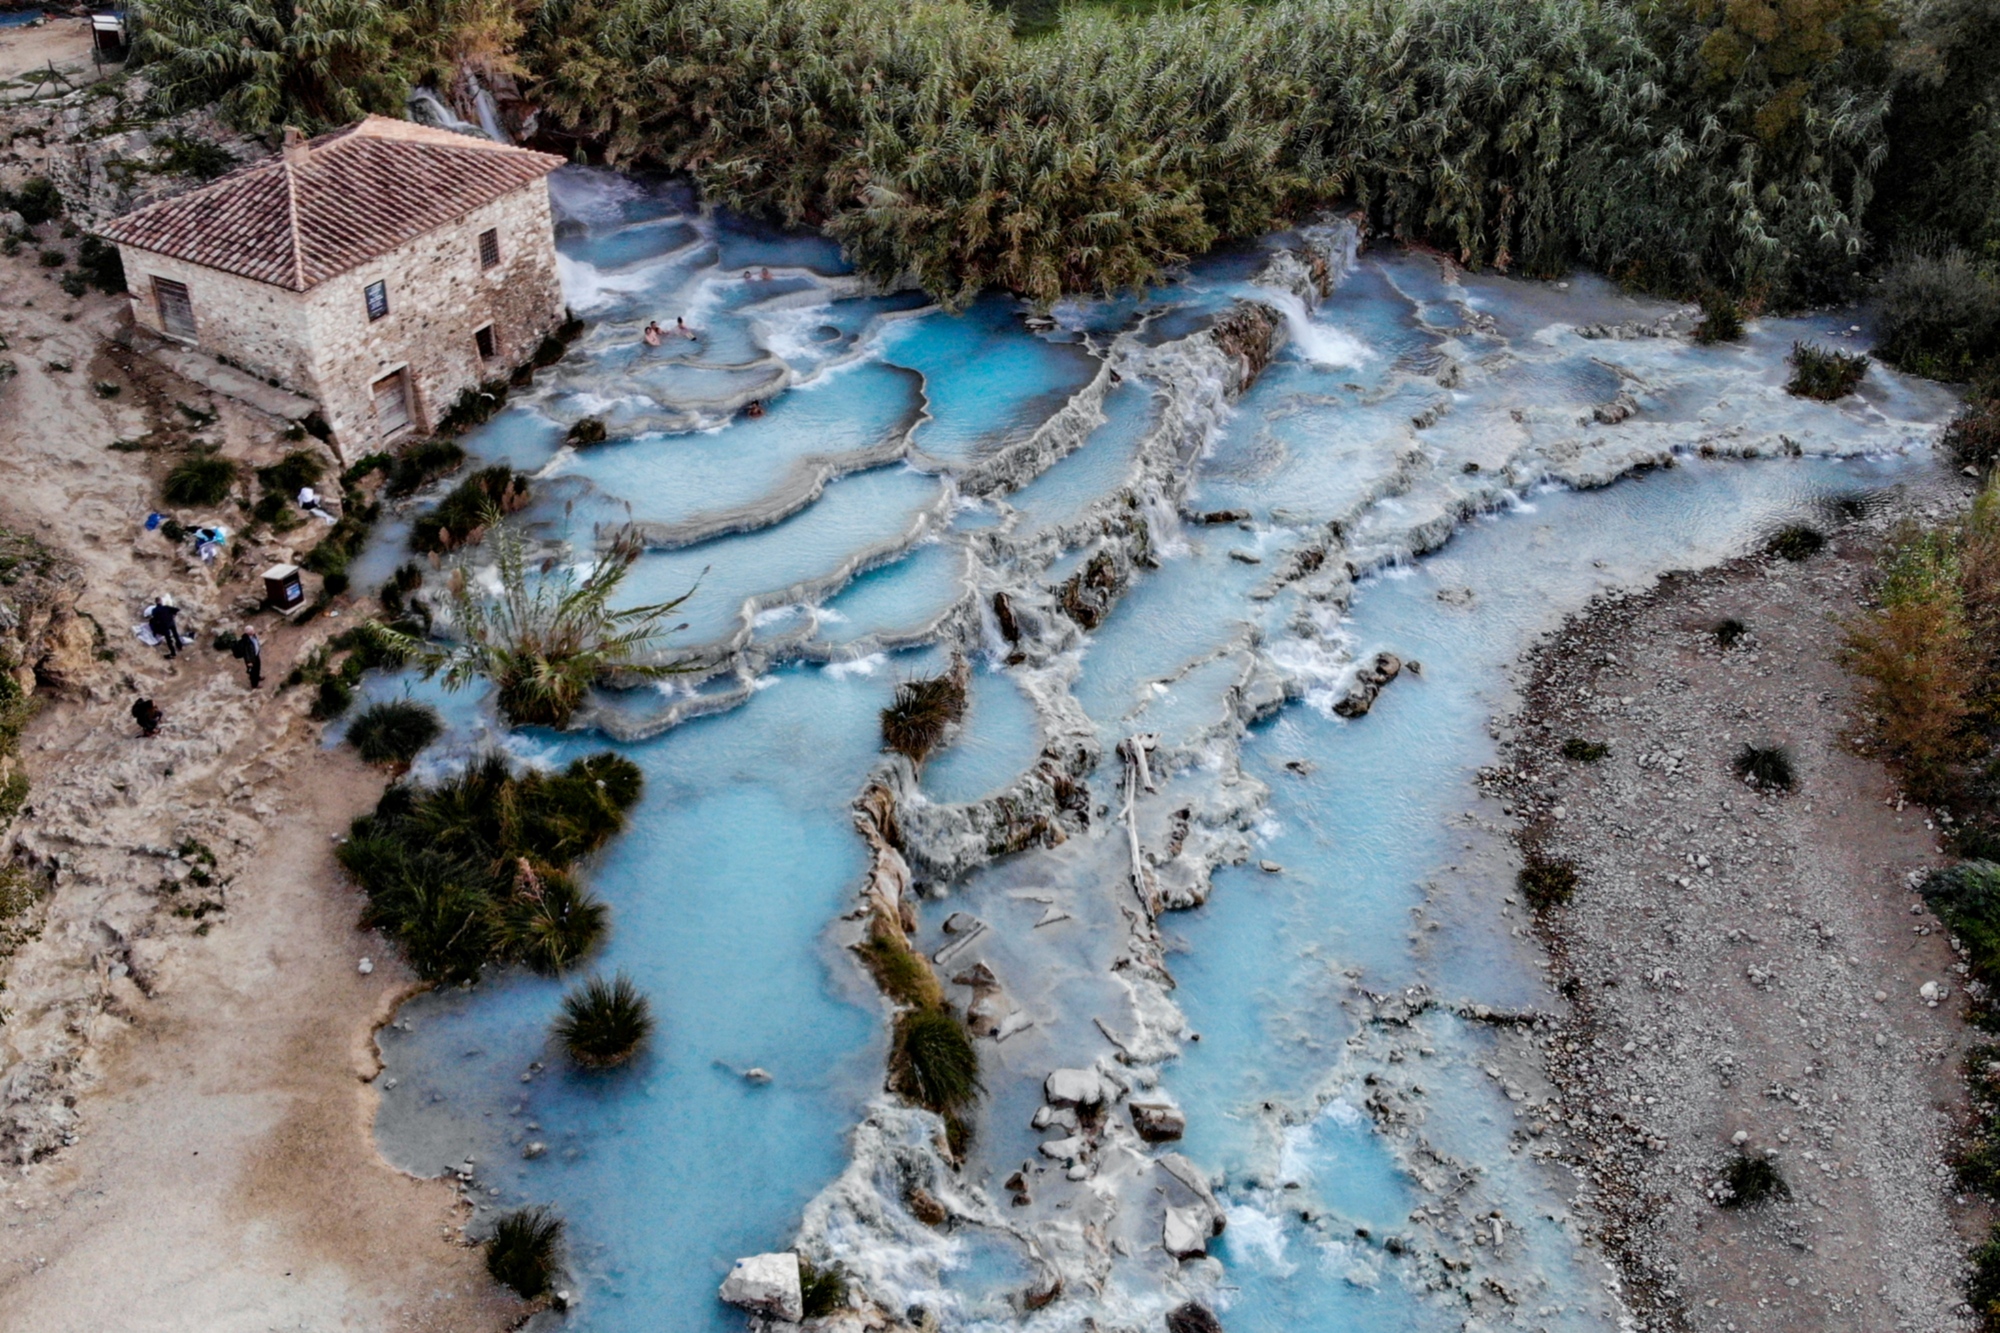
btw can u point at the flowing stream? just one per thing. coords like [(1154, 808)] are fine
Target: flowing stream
[(1202, 512)]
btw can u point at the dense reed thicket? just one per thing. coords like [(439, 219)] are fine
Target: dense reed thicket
[(476, 868), (1681, 144)]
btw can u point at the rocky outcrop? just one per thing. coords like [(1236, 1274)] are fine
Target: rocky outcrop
[(1368, 683), (767, 1284), (109, 152)]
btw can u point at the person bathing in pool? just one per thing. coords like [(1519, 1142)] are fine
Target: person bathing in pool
[(681, 330), (653, 333)]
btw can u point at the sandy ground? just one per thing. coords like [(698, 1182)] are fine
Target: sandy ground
[(183, 1100), (1745, 968), (59, 40)]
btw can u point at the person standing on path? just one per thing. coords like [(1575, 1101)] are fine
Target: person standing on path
[(250, 649), (162, 620)]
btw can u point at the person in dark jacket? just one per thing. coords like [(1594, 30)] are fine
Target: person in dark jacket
[(249, 650), (163, 619), (148, 715)]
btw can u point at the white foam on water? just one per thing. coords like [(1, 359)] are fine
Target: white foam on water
[(1259, 1237), (860, 666)]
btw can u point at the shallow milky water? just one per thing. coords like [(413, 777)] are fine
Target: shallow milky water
[(844, 550)]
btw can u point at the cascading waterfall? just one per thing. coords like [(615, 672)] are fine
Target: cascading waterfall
[(1179, 529)]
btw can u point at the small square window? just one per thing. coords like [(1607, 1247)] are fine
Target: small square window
[(378, 300), (489, 247), (484, 337)]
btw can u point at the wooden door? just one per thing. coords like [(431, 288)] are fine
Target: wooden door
[(392, 403), (176, 308)]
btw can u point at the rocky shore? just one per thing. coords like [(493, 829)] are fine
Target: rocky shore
[(1750, 977)]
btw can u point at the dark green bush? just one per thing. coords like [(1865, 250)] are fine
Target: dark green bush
[(1973, 437), (1729, 632), (1583, 751), (190, 155), (916, 721), (823, 1289), (463, 512), (1967, 899), (474, 407), (1546, 881), (1823, 373), (200, 480), (332, 699), (101, 265), (1982, 1284), (37, 201), (524, 1252), (1796, 542), (474, 869), (422, 463), (74, 284), (1940, 314), (54, 259), (1721, 319), (933, 1061), (1751, 1178), (394, 731), (297, 469), (1764, 766), (603, 1023)]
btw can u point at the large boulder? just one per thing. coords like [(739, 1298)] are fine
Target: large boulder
[(768, 1284), (1158, 1122), (1073, 1087), (1368, 683), (1185, 1231), (1192, 1317)]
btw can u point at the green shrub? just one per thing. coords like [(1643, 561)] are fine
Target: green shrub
[(1966, 899), (474, 407), (1822, 373), (101, 265), (53, 259), (603, 1023), (1729, 632), (933, 1061), (899, 971), (189, 155), (1751, 1178), (1796, 542), (394, 731), (1583, 751), (1973, 437), (1982, 1284), (1546, 881), (74, 284), (524, 1253), (474, 869), (1940, 314), (824, 1289), (586, 432), (201, 480), (1764, 766), (465, 510), (37, 201), (916, 721), (332, 699), (422, 463), (1721, 319), (286, 477)]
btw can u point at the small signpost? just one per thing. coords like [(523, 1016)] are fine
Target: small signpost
[(283, 590)]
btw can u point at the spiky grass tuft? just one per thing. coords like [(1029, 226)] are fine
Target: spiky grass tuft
[(393, 732), (1823, 373), (1796, 542), (933, 1061), (201, 480), (1769, 767), (1728, 633), (1750, 1179), (1546, 881), (922, 713), (524, 1252), (604, 1023)]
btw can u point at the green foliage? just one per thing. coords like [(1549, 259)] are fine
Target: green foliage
[(331, 699), (1973, 438), (201, 480), (13, 795), (101, 265), (548, 637), (1982, 1284), (916, 720), (1767, 766), (1966, 898), (899, 971), (1721, 319), (475, 869), (37, 201), (1795, 542), (297, 469), (53, 259), (1940, 314), (1546, 881), (932, 1060), (824, 1289), (474, 407), (1825, 374), (392, 732), (190, 155), (1729, 632), (524, 1252), (423, 462), (1751, 1178), (1583, 751), (603, 1023), (468, 508), (586, 432)]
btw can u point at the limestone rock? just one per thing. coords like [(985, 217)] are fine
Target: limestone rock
[(1184, 1232), (1192, 1317), (1073, 1087), (1158, 1122), (1368, 683), (768, 1284)]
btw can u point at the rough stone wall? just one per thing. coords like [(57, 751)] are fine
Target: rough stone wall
[(322, 344), (259, 327), (438, 297)]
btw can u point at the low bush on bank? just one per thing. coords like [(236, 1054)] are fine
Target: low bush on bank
[(1940, 314), (524, 1252), (1973, 437), (1584, 752), (201, 480), (932, 1060), (463, 513), (1721, 319), (475, 869), (824, 1290), (1823, 373), (423, 462), (1966, 898), (392, 733), (603, 1023), (1796, 542), (1546, 881), (1730, 632)]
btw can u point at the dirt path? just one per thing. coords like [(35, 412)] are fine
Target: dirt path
[(1745, 967), (183, 1046)]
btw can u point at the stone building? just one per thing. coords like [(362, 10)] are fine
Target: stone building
[(382, 270)]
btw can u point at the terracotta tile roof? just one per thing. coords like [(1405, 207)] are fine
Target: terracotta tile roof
[(297, 219)]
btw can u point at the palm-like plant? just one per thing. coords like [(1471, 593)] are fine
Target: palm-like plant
[(549, 635), (311, 63)]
